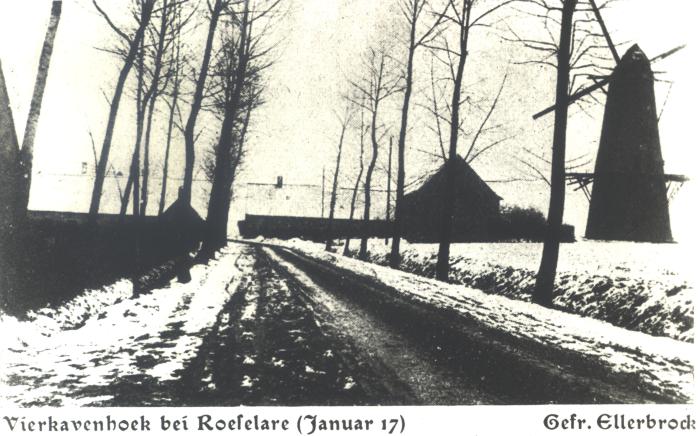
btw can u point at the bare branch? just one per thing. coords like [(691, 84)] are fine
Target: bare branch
[(111, 24), (486, 119)]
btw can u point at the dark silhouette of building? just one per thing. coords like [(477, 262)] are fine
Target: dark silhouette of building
[(478, 217), (628, 199), (476, 207), (184, 230), (10, 182), (181, 218)]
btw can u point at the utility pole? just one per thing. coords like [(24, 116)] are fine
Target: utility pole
[(388, 189)]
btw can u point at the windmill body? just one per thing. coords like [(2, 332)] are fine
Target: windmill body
[(628, 199)]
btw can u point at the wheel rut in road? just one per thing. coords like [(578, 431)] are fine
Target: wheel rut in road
[(390, 354), (476, 364), (267, 348)]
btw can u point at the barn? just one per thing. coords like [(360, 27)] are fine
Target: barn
[(476, 207)]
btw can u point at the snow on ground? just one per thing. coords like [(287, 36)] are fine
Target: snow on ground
[(663, 365), (71, 315), (641, 287), (62, 356)]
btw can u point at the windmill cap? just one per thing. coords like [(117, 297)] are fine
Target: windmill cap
[(635, 54)]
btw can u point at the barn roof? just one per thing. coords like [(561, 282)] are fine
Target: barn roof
[(466, 177), (181, 212)]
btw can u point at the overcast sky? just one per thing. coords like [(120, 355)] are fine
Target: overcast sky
[(294, 135)]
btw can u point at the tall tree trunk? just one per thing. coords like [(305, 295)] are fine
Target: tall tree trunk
[(368, 183), (146, 158), (197, 103), (388, 189), (442, 268), (171, 122), (27, 153), (140, 114), (147, 9), (132, 185), (346, 249), (219, 200), (135, 177), (151, 97), (323, 192), (334, 191), (544, 285), (126, 196), (395, 256), (216, 232)]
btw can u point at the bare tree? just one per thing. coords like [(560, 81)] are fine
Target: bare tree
[(27, 152), (361, 164), (215, 11), (588, 54), (16, 162), (436, 103), (380, 81), (486, 129), (132, 185), (388, 184), (344, 122), (464, 16), (576, 52), (120, 193), (412, 11), (154, 66), (534, 163), (174, 74), (161, 37), (173, 107), (133, 40), (239, 84), (550, 254)]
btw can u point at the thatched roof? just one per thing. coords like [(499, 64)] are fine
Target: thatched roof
[(467, 181)]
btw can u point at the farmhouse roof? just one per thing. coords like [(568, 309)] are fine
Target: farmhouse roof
[(466, 177)]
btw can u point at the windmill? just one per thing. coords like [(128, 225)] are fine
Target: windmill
[(630, 193)]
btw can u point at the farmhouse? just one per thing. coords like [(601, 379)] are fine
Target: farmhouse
[(476, 207)]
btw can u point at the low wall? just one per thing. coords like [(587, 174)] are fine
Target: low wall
[(316, 229), (52, 259), (311, 228)]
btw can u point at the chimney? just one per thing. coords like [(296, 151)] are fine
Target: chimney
[(280, 182)]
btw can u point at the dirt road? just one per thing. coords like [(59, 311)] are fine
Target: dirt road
[(268, 326), (282, 339)]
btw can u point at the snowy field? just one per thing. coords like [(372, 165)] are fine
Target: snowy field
[(657, 365), (640, 287), (72, 354)]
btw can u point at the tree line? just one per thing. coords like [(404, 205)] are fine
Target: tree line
[(463, 126), (223, 79)]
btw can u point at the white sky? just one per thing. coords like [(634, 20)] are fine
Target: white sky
[(295, 133)]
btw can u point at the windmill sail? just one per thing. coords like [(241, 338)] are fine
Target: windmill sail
[(628, 200)]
